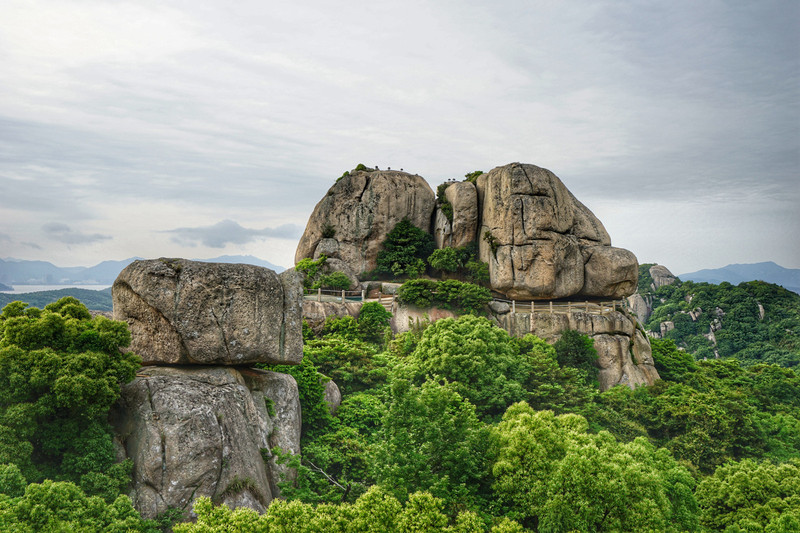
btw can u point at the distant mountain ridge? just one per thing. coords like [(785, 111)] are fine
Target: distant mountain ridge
[(23, 272), (769, 271)]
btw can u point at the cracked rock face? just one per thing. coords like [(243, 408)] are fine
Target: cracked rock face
[(206, 431), (624, 353), (542, 243), (189, 312), (360, 209)]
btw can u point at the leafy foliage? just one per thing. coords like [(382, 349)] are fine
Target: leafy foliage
[(63, 506), (448, 294), (373, 322), (551, 475), (404, 251), (311, 269), (740, 330), (446, 259), (472, 176), (336, 280), (751, 496), (373, 512), (433, 441), (576, 350), (60, 372), (476, 357)]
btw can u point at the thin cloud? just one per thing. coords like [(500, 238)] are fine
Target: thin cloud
[(229, 232), (60, 232)]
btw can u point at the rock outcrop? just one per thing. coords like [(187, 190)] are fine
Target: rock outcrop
[(192, 422), (188, 312), (624, 353), (206, 431), (359, 210), (661, 276), (463, 198), (541, 243)]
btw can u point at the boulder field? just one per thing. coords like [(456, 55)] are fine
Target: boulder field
[(539, 241)]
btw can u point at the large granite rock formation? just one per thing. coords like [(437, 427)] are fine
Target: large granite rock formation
[(206, 431), (193, 429), (542, 243), (624, 353), (188, 312), (359, 210)]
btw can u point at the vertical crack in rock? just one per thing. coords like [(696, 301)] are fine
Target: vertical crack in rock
[(222, 335)]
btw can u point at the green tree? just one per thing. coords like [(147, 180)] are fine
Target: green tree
[(373, 322), (63, 506), (433, 441), (404, 251), (446, 259), (576, 350), (337, 281), (476, 357), (552, 475), (60, 372), (751, 496)]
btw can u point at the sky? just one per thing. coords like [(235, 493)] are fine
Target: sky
[(201, 128)]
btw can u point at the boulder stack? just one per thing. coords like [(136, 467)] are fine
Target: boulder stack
[(198, 421)]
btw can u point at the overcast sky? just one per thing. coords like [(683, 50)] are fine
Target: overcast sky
[(201, 128)]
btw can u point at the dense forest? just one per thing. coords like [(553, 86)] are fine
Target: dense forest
[(752, 322), (452, 426)]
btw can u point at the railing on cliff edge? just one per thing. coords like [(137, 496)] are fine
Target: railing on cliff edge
[(535, 306)]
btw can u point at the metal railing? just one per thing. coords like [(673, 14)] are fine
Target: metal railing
[(562, 307)]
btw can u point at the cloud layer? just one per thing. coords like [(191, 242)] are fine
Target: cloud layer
[(229, 232), (678, 123)]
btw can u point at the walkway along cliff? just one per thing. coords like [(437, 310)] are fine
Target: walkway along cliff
[(539, 241)]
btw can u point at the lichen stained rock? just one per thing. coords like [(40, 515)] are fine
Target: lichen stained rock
[(189, 312)]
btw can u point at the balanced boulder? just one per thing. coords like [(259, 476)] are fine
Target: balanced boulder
[(188, 312)]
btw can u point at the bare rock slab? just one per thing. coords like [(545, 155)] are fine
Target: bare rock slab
[(189, 312), (205, 431)]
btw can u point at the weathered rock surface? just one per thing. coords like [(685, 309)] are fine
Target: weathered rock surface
[(200, 431), (442, 229), (404, 317), (361, 208), (661, 276), (624, 354), (333, 396), (188, 312), (609, 272), (640, 307), (463, 197), (542, 243)]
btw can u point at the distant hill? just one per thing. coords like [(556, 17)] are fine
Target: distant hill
[(788, 278), (22, 272), (94, 300)]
